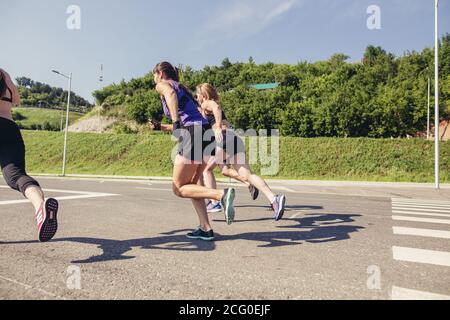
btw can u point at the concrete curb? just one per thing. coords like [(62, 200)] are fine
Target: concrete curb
[(285, 182)]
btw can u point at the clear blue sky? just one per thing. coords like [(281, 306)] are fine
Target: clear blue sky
[(130, 37)]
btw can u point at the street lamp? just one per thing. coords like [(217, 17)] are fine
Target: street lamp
[(67, 120), (436, 93)]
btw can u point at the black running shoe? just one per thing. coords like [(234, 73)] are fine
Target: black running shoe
[(254, 192), (202, 235)]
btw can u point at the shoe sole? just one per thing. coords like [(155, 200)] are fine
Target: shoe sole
[(229, 211), (214, 210), (50, 225), (201, 238), (280, 213), (255, 195)]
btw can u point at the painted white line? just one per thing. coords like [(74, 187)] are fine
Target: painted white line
[(296, 215), (418, 201), (440, 206), (77, 195), (439, 258), (283, 189), (426, 210), (426, 220), (154, 189), (62, 191), (85, 196), (398, 293), (28, 287), (442, 234), (422, 213)]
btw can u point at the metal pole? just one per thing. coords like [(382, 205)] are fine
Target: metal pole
[(436, 93), (67, 127), (428, 114)]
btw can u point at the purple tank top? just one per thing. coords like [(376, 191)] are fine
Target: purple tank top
[(187, 108)]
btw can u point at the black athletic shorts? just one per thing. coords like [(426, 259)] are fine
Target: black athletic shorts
[(232, 144), (197, 142)]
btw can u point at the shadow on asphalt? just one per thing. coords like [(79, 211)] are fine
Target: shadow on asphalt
[(318, 228)]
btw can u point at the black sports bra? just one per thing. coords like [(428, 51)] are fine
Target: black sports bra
[(212, 119), (8, 99)]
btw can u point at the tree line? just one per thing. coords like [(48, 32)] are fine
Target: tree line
[(380, 96), (40, 95)]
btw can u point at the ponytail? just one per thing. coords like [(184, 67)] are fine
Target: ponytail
[(3, 85)]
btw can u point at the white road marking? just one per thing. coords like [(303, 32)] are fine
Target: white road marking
[(28, 287), (422, 232), (426, 220), (418, 201), (434, 206), (422, 213), (296, 215), (422, 209), (398, 293), (154, 189), (77, 195), (283, 189), (439, 258)]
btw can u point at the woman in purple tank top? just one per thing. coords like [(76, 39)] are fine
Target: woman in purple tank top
[(189, 127)]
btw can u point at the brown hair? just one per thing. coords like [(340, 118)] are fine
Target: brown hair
[(168, 69), (208, 91), (173, 73), (3, 84)]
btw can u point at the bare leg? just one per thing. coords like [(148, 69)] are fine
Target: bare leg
[(208, 174), (232, 173), (245, 172), (35, 195), (185, 179)]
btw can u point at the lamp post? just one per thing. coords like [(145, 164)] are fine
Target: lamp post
[(67, 120), (428, 112), (436, 93)]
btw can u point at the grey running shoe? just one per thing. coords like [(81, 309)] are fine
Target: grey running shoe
[(278, 206), (227, 205)]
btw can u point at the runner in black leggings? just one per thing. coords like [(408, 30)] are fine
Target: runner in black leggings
[(12, 161)]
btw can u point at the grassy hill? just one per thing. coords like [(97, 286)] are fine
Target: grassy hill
[(39, 119), (316, 158)]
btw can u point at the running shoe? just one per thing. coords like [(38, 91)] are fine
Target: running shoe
[(201, 235), (46, 218), (214, 207), (278, 206), (227, 205), (254, 192)]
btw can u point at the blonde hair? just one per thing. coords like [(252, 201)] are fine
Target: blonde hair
[(208, 91)]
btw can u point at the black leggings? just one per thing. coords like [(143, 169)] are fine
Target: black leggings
[(12, 157)]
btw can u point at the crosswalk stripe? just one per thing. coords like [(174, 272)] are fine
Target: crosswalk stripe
[(418, 201), (398, 293), (426, 220), (424, 209), (442, 207), (421, 213), (439, 258), (422, 232)]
